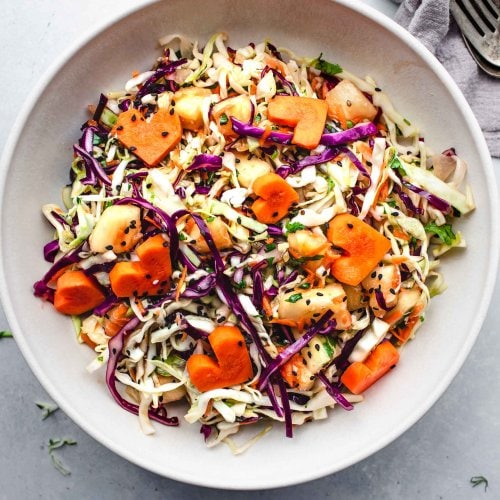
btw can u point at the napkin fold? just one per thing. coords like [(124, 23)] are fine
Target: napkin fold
[(431, 22)]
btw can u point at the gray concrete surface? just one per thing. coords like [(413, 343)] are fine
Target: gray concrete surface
[(457, 439)]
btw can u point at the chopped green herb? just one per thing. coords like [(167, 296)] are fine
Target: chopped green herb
[(270, 261), (444, 232), (349, 124), (4, 334), (292, 227), (294, 298), (478, 480), (258, 118), (301, 260), (407, 121), (326, 67), (331, 184), (223, 119), (182, 237), (395, 164), (305, 286), (56, 461), (240, 285), (47, 408), (211, 218), (270, 246)]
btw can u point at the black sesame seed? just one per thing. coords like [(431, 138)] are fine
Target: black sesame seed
[(315, 315), (172, 102), (109, 247), (309, 355), (134, 118), (349, 103), (127, 230), (392, 291), (308, 301), (164, 133), (350, 226), (311, 377), (372, 275), (123, 243), (132, 148), (172, 111), (148, 276), (316, 346), (380, 276), (274, 214), (377, 89), (120, 127), (165, 244), (369, 163), (319, 294)]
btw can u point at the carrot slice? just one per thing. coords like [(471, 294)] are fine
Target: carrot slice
[(276, 197), (364, 247), (360, 375), (148, 276), (306, 115), (115, 319), (76, 293), (233, 364), (150, 140), (154, 255)]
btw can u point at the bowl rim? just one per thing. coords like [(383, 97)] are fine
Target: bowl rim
[(322, 470)]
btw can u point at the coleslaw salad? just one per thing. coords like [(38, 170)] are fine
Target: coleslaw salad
[(270, 275)]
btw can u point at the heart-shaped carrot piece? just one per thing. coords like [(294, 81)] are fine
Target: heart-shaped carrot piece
[(151, 140), (364, 247), (276, 197), (233, 364), (306, 115), (150, 275), (76, 293)]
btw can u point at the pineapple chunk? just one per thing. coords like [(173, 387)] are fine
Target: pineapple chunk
[(250, 169), (189, 106), (313, 303), (118, 229), (239, 107), (346, 103)]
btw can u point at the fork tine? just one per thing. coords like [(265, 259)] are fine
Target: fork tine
[(471, 10), (493, 7), (486, 12), (465, 25)]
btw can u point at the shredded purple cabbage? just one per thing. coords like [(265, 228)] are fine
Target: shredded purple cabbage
[(292, 349), (247, 129), (115, 346), (50, 250), (205, 162), (353, 134), (334, 392), (434, 200), (160, 72)]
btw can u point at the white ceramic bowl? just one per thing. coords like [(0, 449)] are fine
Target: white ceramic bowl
[(35, 166)]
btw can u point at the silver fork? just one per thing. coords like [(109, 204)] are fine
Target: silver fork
[(479, 21)]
